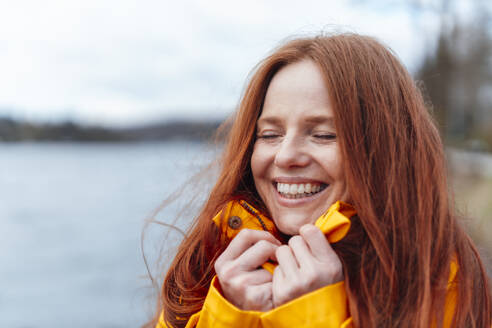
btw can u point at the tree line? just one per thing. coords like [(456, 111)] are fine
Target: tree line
[(13, 130)]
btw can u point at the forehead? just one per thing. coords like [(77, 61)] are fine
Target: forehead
[(297, 90)]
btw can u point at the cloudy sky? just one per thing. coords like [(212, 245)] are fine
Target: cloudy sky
[(124, 62)]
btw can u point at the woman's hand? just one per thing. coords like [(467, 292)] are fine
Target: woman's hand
[(243, 283), (306, 264)]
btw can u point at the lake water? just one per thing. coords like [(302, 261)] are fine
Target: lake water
[(71, 217)]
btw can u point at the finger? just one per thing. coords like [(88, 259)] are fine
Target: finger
[(244, 240), (253, 278), (279, 284), (301, 251), (256, 255), (319, 246), (287, 262), (260, 277), (278, 279), (260, 297)]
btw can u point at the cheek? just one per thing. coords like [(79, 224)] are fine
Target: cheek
[(333, 164), (338, 168), (258, 162), (335, 168), (259, 167)]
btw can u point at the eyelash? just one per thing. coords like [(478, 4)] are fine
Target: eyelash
[(317, 136), (326, 136), (268, 136)]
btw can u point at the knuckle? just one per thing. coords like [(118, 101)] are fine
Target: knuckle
[(334, 271), (334, 266), (249, 295), (250, 299), (217, 265), (226, 271), (263, 244), (258, 299), (237, 284)]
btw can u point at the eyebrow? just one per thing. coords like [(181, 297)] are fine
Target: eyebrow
[(317, 119), (269, 120), (328, 120)]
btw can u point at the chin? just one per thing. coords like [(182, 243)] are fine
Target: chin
[(290, 231), (291, 226)]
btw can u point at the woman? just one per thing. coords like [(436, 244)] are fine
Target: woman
[(323, 120)]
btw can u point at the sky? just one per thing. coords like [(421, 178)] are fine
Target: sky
[(128, 62)]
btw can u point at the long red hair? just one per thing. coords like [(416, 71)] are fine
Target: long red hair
[(397, 255)]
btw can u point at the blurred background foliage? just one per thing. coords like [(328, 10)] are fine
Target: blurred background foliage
[(456, 71), (455, 76)]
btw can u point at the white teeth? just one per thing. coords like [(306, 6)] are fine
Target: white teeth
[(298, 190), (293, 189)]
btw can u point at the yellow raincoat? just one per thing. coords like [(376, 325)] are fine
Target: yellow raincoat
[(326, 307)]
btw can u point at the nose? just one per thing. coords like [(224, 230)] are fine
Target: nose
[(291, 153)]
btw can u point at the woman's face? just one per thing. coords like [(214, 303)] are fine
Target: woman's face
[(296, 162)]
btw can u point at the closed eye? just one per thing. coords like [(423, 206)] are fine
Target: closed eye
[(325, 136), (268, 136)]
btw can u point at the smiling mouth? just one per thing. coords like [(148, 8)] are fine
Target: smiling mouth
[(299, 190)]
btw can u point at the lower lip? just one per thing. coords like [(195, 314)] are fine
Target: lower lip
[(295, 202)]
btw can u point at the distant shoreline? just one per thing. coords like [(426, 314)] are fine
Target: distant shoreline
[(14, 131)]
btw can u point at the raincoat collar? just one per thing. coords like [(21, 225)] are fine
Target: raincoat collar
[(238, 215)]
